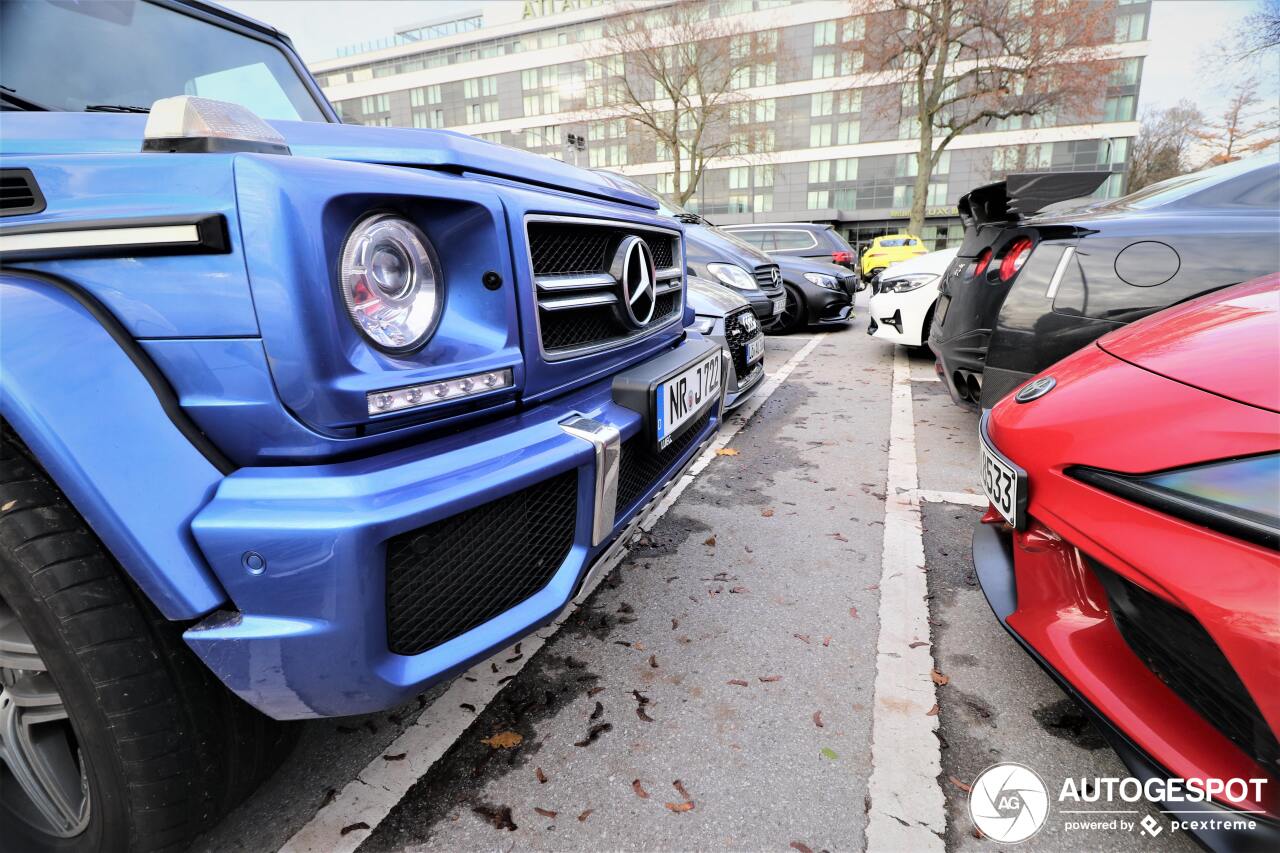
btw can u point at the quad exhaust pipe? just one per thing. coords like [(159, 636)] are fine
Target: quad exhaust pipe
[(968, 385)]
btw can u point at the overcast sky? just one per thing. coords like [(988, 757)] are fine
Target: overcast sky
[(1183, 36)]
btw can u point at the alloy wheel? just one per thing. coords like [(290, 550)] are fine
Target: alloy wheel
[(47, 785)]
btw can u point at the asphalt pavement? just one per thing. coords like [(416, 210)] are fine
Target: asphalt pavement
[(718, 690)]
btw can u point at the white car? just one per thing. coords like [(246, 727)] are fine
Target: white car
[(902, 299)]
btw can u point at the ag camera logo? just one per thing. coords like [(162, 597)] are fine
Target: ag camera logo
[(1009, 802)]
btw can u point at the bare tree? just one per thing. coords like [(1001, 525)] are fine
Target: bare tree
[(1246, 126), (1259, 33), (965, 63), (1163, 146), (683, 65)]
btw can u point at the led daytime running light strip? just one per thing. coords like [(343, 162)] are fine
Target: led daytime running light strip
[(429, 393)]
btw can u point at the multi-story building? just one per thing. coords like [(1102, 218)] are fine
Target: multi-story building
[(538, 75)]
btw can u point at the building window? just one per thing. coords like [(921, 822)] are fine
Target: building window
[(547, 102), (766, 110), (480, 87), (1118, 109), (819, 136), (855, 30), (739, 178), (431, 118), (486, 111), (1131, 27), (375, 104), (767, 74), (824, 33), (848, 132), (764, 176), (851, 62), (739, 202), (846, 199), (762, 203), (820, 172), (846, 170), (604, 156), (824, 65), (424, 96), (909, 128), (1126, 74), (821, 103), (818, 200)]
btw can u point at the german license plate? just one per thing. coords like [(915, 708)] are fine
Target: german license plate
[(779, 305), (1001, 484), (755, 349), (940, 313), (684, 396)]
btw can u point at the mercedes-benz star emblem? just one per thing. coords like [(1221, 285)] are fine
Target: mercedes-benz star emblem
[(1035, 390), (634, 269)]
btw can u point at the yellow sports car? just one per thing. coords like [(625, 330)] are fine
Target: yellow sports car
[(890, 249)]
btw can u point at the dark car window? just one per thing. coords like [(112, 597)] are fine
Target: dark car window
[(1245, 183), (898, 242), (130, 53), (759, 239), (793, 240)]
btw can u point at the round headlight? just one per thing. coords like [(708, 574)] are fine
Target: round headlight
[(391, 282)]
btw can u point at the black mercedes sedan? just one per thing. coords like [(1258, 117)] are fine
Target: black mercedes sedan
[(1037, 278), (818, 294)]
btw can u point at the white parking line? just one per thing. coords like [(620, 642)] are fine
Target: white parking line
[(907, 810), (356, 811)]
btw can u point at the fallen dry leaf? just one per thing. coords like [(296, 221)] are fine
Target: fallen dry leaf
[(542, 777), (738, 681), (679, 807), (739, 590), (826, 641), (546, 812), (768, 678), (710, 540), (917, 644), (594, 733), (675, 623), (594, 691), (467, 706), (767, 513), (853, 611), (679, 786), (817, 719), (642, 715), (800, 846), (961, 785), (582, 818), (639, 789), (804, 638), (938, 678), (726, 451), (933, 712), (352, 827), (504, 740), (653, 661), (399, 756), (839, 536)]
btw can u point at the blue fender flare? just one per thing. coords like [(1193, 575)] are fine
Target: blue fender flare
[(105, 424)]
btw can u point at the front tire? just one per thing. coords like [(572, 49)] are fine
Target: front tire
[(113, 736), (792, 316)]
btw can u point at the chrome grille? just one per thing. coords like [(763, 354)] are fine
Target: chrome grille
[(769, 277), (739, 329), (579, 300)]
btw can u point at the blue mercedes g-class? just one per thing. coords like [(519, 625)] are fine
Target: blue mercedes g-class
[(298, 418)]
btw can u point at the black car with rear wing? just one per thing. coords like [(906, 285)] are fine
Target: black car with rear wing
[(1038, 278)]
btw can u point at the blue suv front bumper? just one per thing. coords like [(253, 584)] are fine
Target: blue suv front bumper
[(303, 552)]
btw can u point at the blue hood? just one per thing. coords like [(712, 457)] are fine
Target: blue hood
[(107, 133)]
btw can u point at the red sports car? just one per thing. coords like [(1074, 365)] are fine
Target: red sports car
[(1131, 547)]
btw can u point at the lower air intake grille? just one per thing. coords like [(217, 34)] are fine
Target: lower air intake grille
[(457, 573), (1181, 653), (589, 326), (640, 468)]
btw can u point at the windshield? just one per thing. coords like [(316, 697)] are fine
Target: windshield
[(125, 54), (1182, 186)]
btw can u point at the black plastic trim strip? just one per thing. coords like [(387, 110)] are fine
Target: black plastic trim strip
[(165, 395), (211, 237), (1208, 515)]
